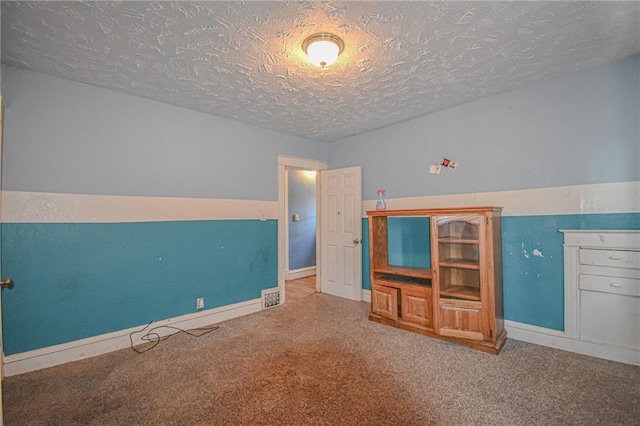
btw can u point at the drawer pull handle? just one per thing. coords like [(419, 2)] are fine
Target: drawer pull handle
[(616, 285), (615, 257)]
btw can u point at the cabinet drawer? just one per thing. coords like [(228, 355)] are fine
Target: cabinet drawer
[(614, 258), (615, 285)]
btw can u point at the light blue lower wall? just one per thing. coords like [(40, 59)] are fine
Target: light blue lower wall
[(78, 280), (533, 283), (409, 242)]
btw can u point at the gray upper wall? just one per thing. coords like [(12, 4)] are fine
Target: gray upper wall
[(578, 129), (63, 136), (68, 137)]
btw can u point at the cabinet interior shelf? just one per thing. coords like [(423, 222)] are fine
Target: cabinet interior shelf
[(460, 263), (394, 281), (450, 240), (461, 292), (404, 271)]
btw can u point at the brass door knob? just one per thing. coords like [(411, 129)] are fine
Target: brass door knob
[(6, 283)]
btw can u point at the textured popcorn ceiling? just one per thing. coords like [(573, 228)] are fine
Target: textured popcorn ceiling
[(243, 60)]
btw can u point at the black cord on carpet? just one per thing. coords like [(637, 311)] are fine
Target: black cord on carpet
[(153, 337)]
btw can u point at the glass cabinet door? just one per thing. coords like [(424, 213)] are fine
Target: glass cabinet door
[(458, 259)]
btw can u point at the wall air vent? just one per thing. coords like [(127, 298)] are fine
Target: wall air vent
[(271, 298)]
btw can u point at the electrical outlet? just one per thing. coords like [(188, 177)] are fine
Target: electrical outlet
[(200, 303)]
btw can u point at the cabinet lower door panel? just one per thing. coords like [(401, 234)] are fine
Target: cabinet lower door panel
[(417, 306), (608, 318), (384, 301), (461, 321)]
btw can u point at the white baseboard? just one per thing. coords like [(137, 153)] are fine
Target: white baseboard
[(301, 273), (98, 345), (557, 339)]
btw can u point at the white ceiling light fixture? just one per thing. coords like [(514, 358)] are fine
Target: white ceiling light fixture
[(323, 48)]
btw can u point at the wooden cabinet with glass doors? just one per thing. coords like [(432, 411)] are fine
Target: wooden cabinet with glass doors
[(458, 299)]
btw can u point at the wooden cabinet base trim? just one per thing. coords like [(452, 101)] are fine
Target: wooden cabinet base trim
[(407, 325), (461, 334), (493, 348)]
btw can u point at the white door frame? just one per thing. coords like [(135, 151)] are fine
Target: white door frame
[(289, 162), (1, 342)]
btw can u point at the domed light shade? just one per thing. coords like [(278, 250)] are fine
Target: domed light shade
[(323, 48)]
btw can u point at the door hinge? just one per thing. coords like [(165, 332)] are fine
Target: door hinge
[(490, 333), (487, 219)]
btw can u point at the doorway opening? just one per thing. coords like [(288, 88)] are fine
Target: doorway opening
[(293, 165), (300, 288), (301, 223)]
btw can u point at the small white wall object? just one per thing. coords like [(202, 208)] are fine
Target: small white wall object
[(435, 169)]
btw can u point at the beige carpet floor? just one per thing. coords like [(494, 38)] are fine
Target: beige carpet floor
[(319, 361)]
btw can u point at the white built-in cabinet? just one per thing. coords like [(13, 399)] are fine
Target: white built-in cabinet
[(602, 290)]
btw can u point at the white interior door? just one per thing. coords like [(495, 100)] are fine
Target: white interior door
[(341, 232)]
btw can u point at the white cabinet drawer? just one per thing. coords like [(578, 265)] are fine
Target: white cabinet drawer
[(614, 258), (615, 285), (609, 271)]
